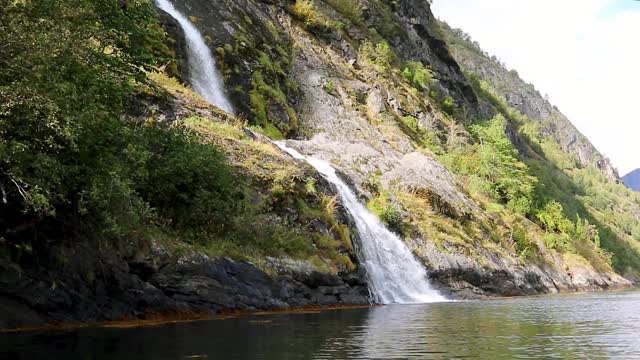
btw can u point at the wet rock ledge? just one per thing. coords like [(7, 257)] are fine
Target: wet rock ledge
[(95, 288)]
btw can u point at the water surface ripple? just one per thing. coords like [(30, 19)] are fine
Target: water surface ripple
[(582, 326)]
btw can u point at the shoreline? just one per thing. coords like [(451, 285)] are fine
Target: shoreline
[(160, 319), (179, 317)]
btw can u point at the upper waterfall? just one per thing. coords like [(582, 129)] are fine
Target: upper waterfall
[(395, 276), (203, 74)]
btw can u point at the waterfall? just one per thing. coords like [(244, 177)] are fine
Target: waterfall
[(203, 74), (394, 274)]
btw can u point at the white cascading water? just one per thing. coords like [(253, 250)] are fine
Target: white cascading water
[(204, 76), (394, 274)]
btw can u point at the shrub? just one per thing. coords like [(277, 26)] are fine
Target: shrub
[(449, 105), (380, 56), (426, 138), (188, 182), (552, 218), (417, 75), (560, 242), (330, 88), (584, 231), (523, 245), (306, 11), (386, 211)]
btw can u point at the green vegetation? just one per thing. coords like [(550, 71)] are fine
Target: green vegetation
[(449, 105), (493, 165), (307, 12), (531, 193), (330, 88), (86, 156), (351, 9), (417, 75), (379, 56), (88, 153), (64, 147), (261, 50), (571, 199), (386, 210), (423, 137)]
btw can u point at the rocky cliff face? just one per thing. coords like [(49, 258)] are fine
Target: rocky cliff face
[(632, 180)]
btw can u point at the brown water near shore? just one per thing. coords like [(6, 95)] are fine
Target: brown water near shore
[(160, 319)]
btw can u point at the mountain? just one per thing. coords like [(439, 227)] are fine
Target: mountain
[(632, 180), (125, 194), (524, 98)]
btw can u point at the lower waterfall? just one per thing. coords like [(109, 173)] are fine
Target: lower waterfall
[(394, 274)]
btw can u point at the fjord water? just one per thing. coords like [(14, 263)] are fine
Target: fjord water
[(203, 74), (395, 276), (582, 326)]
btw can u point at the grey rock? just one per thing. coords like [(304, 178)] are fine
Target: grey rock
[(192, 283)]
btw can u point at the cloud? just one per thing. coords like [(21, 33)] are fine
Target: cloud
[(585, 54)]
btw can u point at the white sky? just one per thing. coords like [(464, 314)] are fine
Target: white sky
[(585, 54)]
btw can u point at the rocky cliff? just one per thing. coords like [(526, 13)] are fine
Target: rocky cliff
[(490, 186)]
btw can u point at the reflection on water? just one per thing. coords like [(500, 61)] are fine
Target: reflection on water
[(588, 326)]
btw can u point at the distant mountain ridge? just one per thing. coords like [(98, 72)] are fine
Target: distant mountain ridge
[(632, 179), (525, 98)]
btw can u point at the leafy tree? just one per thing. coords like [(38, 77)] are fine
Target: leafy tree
[(496, 161), (553, 219)]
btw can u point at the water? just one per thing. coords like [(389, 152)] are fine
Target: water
[(394, 275), (586, 326), (204, 76)]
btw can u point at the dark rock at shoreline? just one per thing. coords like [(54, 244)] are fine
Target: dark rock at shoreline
[(99, 289)]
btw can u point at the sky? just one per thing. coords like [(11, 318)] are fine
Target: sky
[(584, 54)]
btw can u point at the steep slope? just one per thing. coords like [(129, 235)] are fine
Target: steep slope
[(527, 100), (632, 180), (193, 211), (562, 157), (289, 238), (372, 88)]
